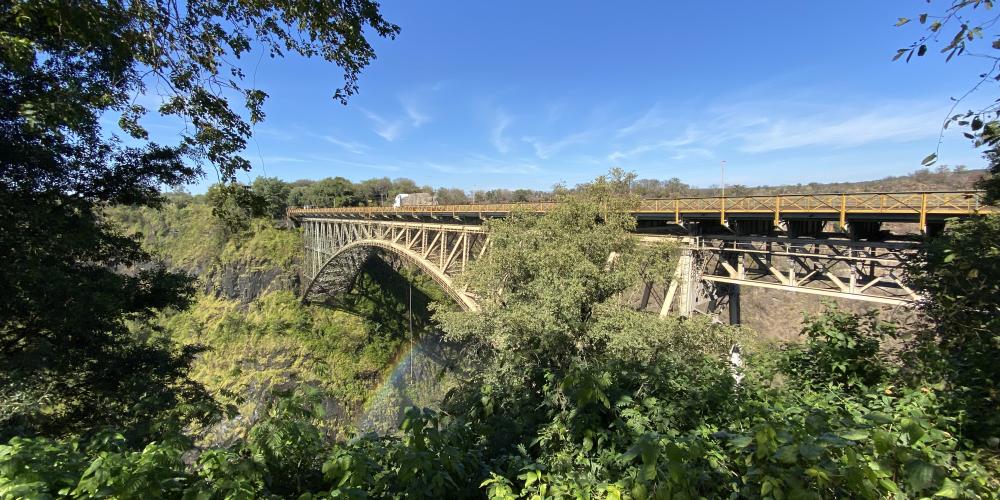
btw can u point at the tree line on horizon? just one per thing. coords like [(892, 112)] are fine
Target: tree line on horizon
[(273, 196)]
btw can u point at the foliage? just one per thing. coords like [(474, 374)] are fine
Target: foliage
[(70, 362), (381, 191), (543, 278), (959, 30), (576, 394), (990, 184), (959, 272), (72, 280), (274, 192), (235, 205), (186, 236), (842, 350), (71, 62), (267, 343), (335, 192)]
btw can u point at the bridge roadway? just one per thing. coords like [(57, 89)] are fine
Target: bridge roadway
[(798, 214)]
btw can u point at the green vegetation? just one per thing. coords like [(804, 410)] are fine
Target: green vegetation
[(112, 386), (340, 192), (256, 346), (73, 281), (574, 393), (960, 273)]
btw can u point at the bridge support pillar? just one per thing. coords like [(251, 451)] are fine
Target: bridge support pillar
[(734, 290), (734, 304), (682, 286)]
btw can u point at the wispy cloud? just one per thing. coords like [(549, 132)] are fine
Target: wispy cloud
[(413, 116), (546, 149), (388, 167), (386, 129), (273, 133), (413, 112), (761, 127), (652, 119), (281, 159), (895, 124), (500, 142), (349, 146), (479, 164), (675, 145)]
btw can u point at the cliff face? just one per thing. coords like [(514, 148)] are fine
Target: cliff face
[(246, 280), (235, 266)]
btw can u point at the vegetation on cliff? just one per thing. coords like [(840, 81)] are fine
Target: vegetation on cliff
[(257, 340)]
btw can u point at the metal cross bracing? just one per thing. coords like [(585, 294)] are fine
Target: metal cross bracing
[(866, 271), (920, 207), (335, 250)]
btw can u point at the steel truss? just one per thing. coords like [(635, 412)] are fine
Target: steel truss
[(335, 250), (866, 271)]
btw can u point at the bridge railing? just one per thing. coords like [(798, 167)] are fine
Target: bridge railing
[(911, 202)]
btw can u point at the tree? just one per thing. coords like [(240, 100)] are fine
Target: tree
[(451, 196), (960, 30), (959, 272), (297, 196), (521, 195), (71, 280), (235, 205), (402, 185), (275, 193), (374, 191), (548, 282), (335, 192)]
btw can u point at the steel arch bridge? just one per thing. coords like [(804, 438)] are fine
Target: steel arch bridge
[(337, 248)]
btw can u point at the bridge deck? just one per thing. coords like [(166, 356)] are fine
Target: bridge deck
[(916, 206)]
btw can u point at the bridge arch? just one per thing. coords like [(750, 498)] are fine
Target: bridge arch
[(365, 247)]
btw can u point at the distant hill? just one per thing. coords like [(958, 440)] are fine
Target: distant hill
[(941, 179)]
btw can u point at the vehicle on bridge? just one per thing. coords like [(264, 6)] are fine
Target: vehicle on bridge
[(413, 200)]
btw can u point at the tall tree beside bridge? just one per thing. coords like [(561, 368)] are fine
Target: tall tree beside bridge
[(69, 359)]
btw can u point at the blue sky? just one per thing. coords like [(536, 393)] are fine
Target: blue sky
[(514, 94)]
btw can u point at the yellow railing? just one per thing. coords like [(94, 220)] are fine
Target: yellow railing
[(916, 203)]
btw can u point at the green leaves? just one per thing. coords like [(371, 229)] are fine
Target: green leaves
[(854, 434), (949, 489), (919, 474)]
